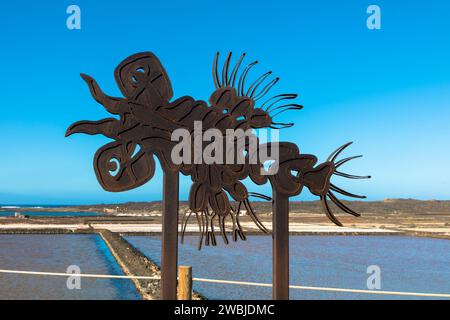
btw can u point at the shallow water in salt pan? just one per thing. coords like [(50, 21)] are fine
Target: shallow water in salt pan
[(406, 263), (54, 253)]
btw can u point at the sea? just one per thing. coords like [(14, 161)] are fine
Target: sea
[(10, 211)]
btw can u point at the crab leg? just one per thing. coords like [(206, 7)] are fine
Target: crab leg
[(345, 193), (328, 211), (243, 76), (184, 223), (223, 230), (254, 86), (226, 66), (335, 153), (341, 162), (112, 104), (350, 176), (215, 70), (342, 206), (259, 195), (254, 217)]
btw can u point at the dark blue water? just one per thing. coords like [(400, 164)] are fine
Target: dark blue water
[(32, 205), (54, 253), (51, 214), (406, 263), (10, 210)]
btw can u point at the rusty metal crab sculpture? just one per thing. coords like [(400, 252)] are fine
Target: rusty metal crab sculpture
[(148, 116)]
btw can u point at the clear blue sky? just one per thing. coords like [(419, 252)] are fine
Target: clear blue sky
[(388, 90)]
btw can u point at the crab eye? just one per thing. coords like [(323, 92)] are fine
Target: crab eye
[(295, 173), (138, 74), (140, 70), (113, 167)]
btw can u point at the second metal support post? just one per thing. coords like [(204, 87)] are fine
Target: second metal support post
[(169, 253), (280, 246)]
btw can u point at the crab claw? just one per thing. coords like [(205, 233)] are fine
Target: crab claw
[(328, 188), (109, 127)]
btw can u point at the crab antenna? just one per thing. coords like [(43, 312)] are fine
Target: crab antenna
[(345, 193), (341, 162), (223, 231), (201, 220), (328, 212), (288, 105), (215, 70), (243, 76), (281, 125), (266, 89), (184, 223), (252, 215), (342, 206), (254, 86), (236, 69), (278, 98), (259, 195), (350, 176), (225, 80), (294, 107), (336, 152)]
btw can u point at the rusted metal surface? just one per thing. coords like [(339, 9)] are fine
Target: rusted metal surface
[(147, 117), (280, 246), (169, 237)]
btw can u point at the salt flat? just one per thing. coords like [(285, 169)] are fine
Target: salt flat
[(156, 227)]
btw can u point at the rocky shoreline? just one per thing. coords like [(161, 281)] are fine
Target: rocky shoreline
[(134, 263)]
